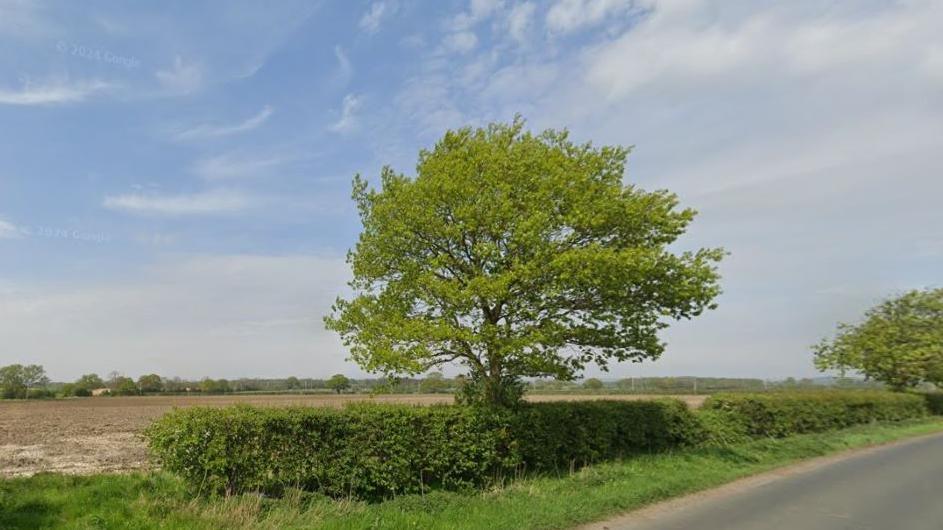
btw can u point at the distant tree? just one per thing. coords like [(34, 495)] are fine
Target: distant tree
[(899, 342), (292, 383), (338, 383), (518, 255), (434, 383), (593, 384), (12, 381), (175, 384), (218, 386), (150, 383), (16, 380), (124, 386), (89, 382), (34, 376)]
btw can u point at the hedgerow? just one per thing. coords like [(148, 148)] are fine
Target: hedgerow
[(934, 402), (377, 451), (779, 414)]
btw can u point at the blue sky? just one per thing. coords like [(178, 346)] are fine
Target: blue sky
[(175, 176)]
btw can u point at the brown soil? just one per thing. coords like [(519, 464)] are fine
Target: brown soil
[(90, 435)]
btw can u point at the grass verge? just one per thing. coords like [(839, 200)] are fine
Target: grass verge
[(156, 500)]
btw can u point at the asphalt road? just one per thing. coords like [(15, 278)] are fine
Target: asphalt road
[(898, 487)]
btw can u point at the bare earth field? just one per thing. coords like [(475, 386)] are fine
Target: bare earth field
[(91, 435)]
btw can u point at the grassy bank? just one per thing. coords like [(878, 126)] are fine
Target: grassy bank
[(161, 501)]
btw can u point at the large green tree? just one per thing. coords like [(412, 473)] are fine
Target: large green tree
[(89, 382), (150, 383), (516, 255), (17, 380), (899, 342)]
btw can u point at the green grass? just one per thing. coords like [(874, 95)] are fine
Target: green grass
[(156, 500)]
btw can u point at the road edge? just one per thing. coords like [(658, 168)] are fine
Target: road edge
[(739, 485)]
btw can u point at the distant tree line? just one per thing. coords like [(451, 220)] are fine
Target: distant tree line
[(30, 382)]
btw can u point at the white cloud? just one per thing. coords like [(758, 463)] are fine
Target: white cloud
[(52, 92), (481, 9), (478, 11), (348, 118), (685, 48), (182, 77), (520, 20), (192, 316), (344, 69), (8, 230), (370, 21), (206, 203), (566, 16), (461, 42), (230, 166), (211, 131), (807, 138)]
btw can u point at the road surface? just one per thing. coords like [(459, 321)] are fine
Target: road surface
[(897, 487)]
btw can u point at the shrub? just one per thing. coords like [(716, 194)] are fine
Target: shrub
[(376, 451), (723, 428), (934, 402), (779, 414), (571, 434)]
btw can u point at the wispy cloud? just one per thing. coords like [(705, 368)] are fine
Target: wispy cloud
[(348, 119), (51, 93), (231, 166), (182, 78), (567, 16), (370, 21), (8, 230), (520, 20), (461, 42), (211, 202), (212, 131), (344, 69)]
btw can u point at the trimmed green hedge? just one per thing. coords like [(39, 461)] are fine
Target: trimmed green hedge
[(376, 451), (571, 434), (779, 414)]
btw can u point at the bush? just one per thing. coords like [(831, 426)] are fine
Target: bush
[(723, 428), (780, 414), (373, 451), (934, 402), (572, 434)]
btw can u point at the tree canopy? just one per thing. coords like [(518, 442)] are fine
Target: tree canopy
[(16, 380), (517, 255), (150, 383), (899, 342), (338, 383)]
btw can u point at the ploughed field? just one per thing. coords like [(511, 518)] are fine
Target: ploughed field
[(92, 435)]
